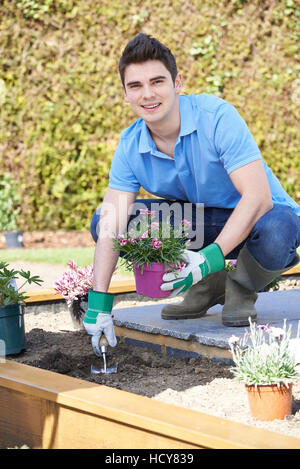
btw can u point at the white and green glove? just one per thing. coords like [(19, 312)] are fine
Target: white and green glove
[(98, 320), (198, 264)]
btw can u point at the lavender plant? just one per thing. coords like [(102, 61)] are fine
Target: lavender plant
[(263, 356)]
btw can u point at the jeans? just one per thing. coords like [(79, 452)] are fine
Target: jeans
[(272, 242)]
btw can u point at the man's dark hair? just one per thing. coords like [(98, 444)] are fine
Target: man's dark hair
[(144, 47)]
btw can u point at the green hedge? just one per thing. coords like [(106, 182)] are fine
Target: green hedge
[(62, 108)]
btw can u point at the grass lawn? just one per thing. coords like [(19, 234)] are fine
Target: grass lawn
[(82, 256)]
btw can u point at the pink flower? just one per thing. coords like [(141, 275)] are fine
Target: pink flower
[(144, 235), (186, 222), (75, 282), (146, 212), (263, 327), (124, 242), (157, 244), (72, 265), (233, 340)]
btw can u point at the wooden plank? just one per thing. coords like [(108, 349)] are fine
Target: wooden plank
[(49, 410), (122, 286), (293, 271), (43, 294), (164, 341), (48, 294), (22, 422)]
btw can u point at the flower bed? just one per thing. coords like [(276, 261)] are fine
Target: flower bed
[(194, 383)]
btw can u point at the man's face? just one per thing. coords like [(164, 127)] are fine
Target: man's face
[(150, 91)]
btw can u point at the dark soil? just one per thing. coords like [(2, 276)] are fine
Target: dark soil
[(140, 371)]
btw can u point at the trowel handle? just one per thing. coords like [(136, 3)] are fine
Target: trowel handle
[(103, 341)]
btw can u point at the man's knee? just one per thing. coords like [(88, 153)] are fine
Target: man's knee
[(275, 237), (279, 225)]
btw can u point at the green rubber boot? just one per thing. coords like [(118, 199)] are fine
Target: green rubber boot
[(242, 285), (199, 298)]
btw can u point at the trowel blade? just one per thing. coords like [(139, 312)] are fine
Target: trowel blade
[(95, 370)]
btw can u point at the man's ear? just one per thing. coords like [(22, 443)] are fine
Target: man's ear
[(178, 83)]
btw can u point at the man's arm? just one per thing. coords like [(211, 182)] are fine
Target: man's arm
[(113, 220), (252, 183)]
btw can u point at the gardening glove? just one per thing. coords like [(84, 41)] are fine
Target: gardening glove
[(198, 264), (98, 320)]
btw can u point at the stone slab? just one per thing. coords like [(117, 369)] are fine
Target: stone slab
[(272, 307)]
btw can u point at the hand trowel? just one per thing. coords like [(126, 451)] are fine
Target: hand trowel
[(103, 347)]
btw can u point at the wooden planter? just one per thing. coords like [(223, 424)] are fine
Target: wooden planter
[(48, 410)]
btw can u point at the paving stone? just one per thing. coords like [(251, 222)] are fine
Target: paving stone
[(272, 307)]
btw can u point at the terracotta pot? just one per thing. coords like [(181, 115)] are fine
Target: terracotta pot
[(77, 310), (270, 402), (148, 283)]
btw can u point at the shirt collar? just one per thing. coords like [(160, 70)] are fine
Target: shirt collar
[(187, 125), (146, 143), (187, 121)]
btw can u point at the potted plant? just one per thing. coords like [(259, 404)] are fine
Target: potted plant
[(9, 212), (265, 361), (150, 249), (74, 286), (12, 331)]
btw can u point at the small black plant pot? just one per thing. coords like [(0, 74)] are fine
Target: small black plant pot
[(77, 310), (13, 239)]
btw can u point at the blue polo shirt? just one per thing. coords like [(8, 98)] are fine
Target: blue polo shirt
[(213, 141)]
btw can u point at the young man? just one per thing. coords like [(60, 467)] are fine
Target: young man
[(194, 149)]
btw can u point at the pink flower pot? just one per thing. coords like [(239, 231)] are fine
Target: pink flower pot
[(148, 283)]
